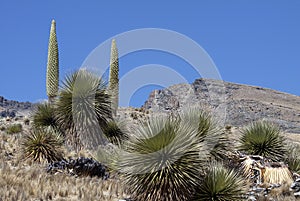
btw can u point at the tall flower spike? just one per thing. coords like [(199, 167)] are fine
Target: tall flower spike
[(114, 77), (52, 76)]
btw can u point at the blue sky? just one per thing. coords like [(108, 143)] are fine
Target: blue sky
[(251, 42)]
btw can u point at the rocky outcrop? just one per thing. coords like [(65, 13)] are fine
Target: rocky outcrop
[(10, 108), (235, 104)]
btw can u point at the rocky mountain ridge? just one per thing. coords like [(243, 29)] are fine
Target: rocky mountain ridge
[(233, 104), (11, 108)]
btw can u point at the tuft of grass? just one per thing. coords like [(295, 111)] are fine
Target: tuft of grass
[(221, 184), (2, 128), (15, 128), (246, 166), (43, 144), (26, 121), (292, 158), (277, 175), (264, 139)]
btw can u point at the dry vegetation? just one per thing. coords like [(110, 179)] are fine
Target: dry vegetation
[(21, 180), (24, 180)]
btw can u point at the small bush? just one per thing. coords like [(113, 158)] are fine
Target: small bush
[(228, 127), (221, 184), (292, 158), (15, 128), (264, 139), (26, 121), (2, 128), (43, 144)]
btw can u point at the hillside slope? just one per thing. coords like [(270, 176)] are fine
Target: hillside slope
[(238, 104)]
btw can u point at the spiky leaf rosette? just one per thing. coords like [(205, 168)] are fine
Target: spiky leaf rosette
[(52, 77), (207, 130), (43, 144), (44, 116), (83, 108), (221, 184), (115, 132), (162, 162), (114, 76), (264, 139)]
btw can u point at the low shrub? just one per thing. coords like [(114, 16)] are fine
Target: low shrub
[(292, 158), (15, 128), (26, 121), (2, 128)]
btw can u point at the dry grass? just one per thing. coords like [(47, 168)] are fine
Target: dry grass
[(33, 183), (246, 166), (277, 175), (21, 180), (282, 193)]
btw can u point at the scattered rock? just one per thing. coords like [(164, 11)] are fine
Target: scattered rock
[(8, 113), (10, 108), (255, 168), (295, 187), (79, 167)]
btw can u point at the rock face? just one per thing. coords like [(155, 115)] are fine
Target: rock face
[(9, 108), (236, 104)]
